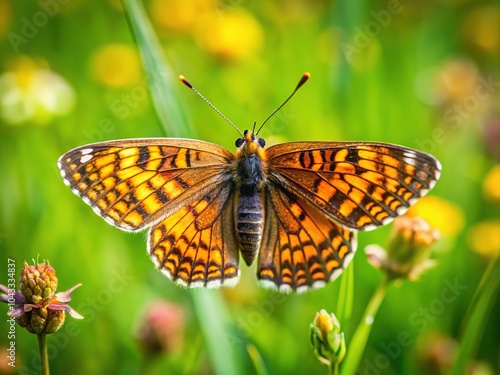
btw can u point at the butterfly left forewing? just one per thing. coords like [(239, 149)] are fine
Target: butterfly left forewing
[(361, 185), (134, 183), (301, 248)]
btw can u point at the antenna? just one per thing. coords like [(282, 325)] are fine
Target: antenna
[(186, 82), (303, 80)]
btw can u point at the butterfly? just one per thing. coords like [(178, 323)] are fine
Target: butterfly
[(294, 208)]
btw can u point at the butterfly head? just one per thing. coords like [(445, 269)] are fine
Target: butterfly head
[(250, 143)]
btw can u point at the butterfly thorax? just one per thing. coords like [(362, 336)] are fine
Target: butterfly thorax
[(250, 177)]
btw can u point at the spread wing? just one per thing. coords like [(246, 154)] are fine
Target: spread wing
[(196, 246), (359, 185), (301, 248), (135, 183)]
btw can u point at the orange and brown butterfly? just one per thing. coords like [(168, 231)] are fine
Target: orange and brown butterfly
[(293, 207)]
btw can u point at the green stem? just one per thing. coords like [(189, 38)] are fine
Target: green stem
[(360, 337), (44, 358), (335, 369), (474, 325)]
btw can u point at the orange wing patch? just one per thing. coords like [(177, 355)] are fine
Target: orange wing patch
[(196, 246), (301, 248), (135, 183), (359, 185)]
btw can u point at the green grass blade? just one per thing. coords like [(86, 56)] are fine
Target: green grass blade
[(209, 307), (474, 329), (258, 361), (356, 347), (213, 319), (160, 75), (346, 295)]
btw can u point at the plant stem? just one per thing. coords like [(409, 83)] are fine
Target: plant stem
[(360, 337), (478, 316), (335, 369), (42, 350)]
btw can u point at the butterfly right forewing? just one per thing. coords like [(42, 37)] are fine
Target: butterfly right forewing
[(361, 185)]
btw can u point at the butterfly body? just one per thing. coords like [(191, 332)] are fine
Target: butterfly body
[(294, 208), (250, 177)]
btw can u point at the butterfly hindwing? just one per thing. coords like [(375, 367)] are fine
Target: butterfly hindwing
[(135, 183), (196, 246), (361, 185), (301, 247)]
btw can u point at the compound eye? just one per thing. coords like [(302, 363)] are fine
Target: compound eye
[(262, 142), (239, 142), (245, 133)]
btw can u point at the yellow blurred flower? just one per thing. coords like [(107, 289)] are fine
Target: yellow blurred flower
[(491, 184), (481, 28), (233, 36), (180, 16), (116, 65), (484, 238), (32, 92), (456, 79), (440, 214)]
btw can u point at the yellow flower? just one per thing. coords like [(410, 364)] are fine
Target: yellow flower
[(484, 238), (491, 184), (232, 36), (116, 65), (440, 214), (31, 92), (180, 16), (481, 28)]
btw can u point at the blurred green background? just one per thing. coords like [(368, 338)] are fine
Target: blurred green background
[(424, 74)]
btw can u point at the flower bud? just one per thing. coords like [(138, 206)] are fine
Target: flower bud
[(407, 253), (327, 339), (38, 282), (38, 307)]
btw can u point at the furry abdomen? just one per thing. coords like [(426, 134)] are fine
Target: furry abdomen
[(249, 213)]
